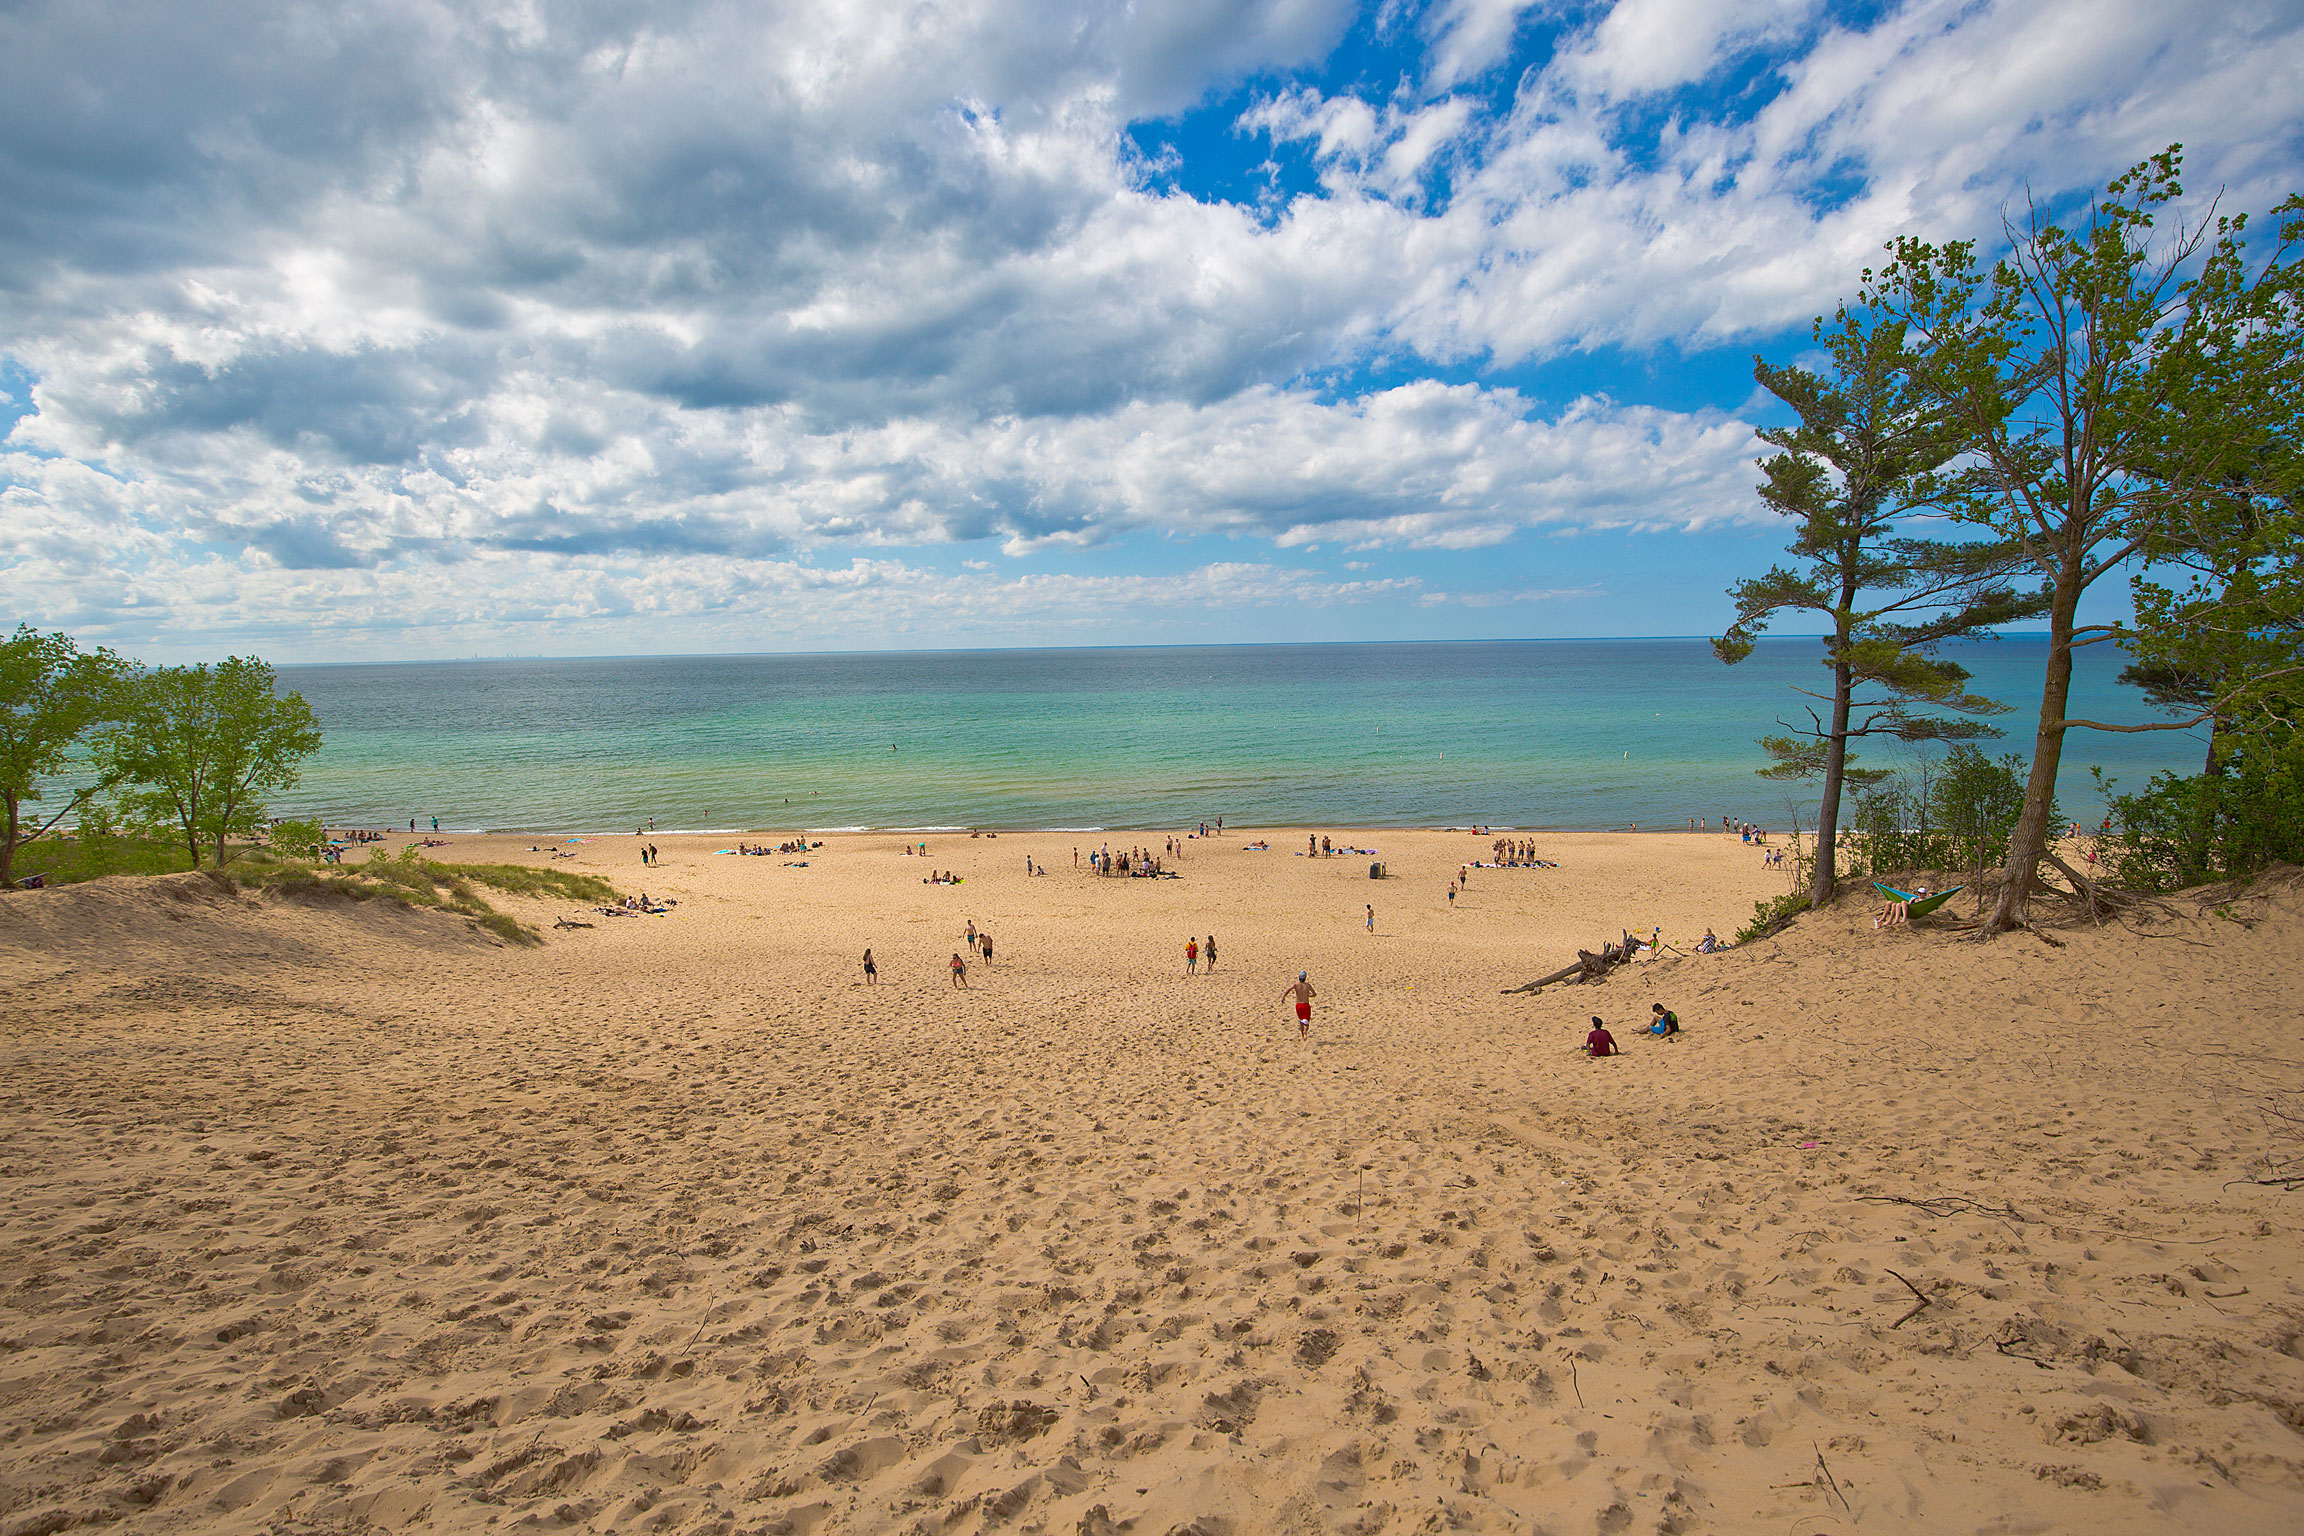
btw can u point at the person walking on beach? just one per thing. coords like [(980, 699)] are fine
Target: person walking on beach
[(871, 971), (1301, 990), (959, 970), (1191, 956), (1371, 917), (984, 945), (970, 935), (1209, 950), (653, 855)]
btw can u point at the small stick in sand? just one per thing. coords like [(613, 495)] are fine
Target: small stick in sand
[(1926, 1301), (1830, 1481)]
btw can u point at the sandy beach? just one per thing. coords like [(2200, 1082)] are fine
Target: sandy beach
[(351, 1219)]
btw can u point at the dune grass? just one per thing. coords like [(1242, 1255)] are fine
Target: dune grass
[(523, 880), (67, 860), (412, 882), (423, 883)]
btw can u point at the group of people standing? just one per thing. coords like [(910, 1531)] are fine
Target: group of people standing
[(1137, 863)]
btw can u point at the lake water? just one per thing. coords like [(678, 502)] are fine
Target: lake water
[(1547, 733)]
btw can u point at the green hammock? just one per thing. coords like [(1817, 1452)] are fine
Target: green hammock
[(1919, 906)]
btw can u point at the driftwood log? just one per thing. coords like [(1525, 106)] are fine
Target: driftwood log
[(1587, 966)]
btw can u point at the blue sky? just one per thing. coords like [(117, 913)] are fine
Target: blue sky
[(404, 330)]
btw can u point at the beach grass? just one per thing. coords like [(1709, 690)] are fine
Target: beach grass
[(423, 883), (522, 880), (70, 860)]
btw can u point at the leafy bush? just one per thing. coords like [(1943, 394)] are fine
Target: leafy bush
[(296, 839), (2183, 831), (1958, 814), (1769, 916)]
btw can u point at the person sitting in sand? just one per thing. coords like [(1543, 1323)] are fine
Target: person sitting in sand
[(1301, 989), (1709, 944), (1665, 1024), (1599, 1042)]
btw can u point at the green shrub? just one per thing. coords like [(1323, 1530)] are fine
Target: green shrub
[(1770, 916), (1959, 814), (2199, 829), (296, 839)]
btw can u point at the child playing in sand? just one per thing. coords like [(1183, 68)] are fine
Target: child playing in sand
[(1301, 990), (1599, 1042), (1665, 1024)]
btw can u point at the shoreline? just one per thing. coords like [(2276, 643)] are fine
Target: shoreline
[(987, 830)]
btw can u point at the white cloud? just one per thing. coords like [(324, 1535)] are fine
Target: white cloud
[(433, 300), (1470, 37)]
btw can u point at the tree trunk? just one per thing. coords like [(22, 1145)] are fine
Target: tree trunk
[(1835, 770), (2020, 875), (8, 849)]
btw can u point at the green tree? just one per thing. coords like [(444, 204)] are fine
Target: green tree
[(1859, 462), (2219, 636), (51, 694), (2072, 369), (204, 746)]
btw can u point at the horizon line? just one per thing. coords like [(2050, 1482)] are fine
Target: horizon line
[(1203, 645)]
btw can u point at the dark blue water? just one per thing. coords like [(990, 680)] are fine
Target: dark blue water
[(1550, 733)]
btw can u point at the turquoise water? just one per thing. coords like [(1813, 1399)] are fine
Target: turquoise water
[(1550, 733)]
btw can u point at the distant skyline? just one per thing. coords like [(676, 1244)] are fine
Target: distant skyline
[(428, 330)]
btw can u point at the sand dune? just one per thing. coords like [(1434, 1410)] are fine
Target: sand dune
[(349, 1219)]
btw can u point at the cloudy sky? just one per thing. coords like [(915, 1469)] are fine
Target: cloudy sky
[(409, 329)]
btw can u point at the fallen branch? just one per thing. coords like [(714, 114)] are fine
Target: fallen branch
[(1587, 966), (1944, 1206)]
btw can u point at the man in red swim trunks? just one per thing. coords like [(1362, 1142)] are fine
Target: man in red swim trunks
[(1599, 1042), (1301, 990)]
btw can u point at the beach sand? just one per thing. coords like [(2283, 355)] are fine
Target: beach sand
[(345, 1218)]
